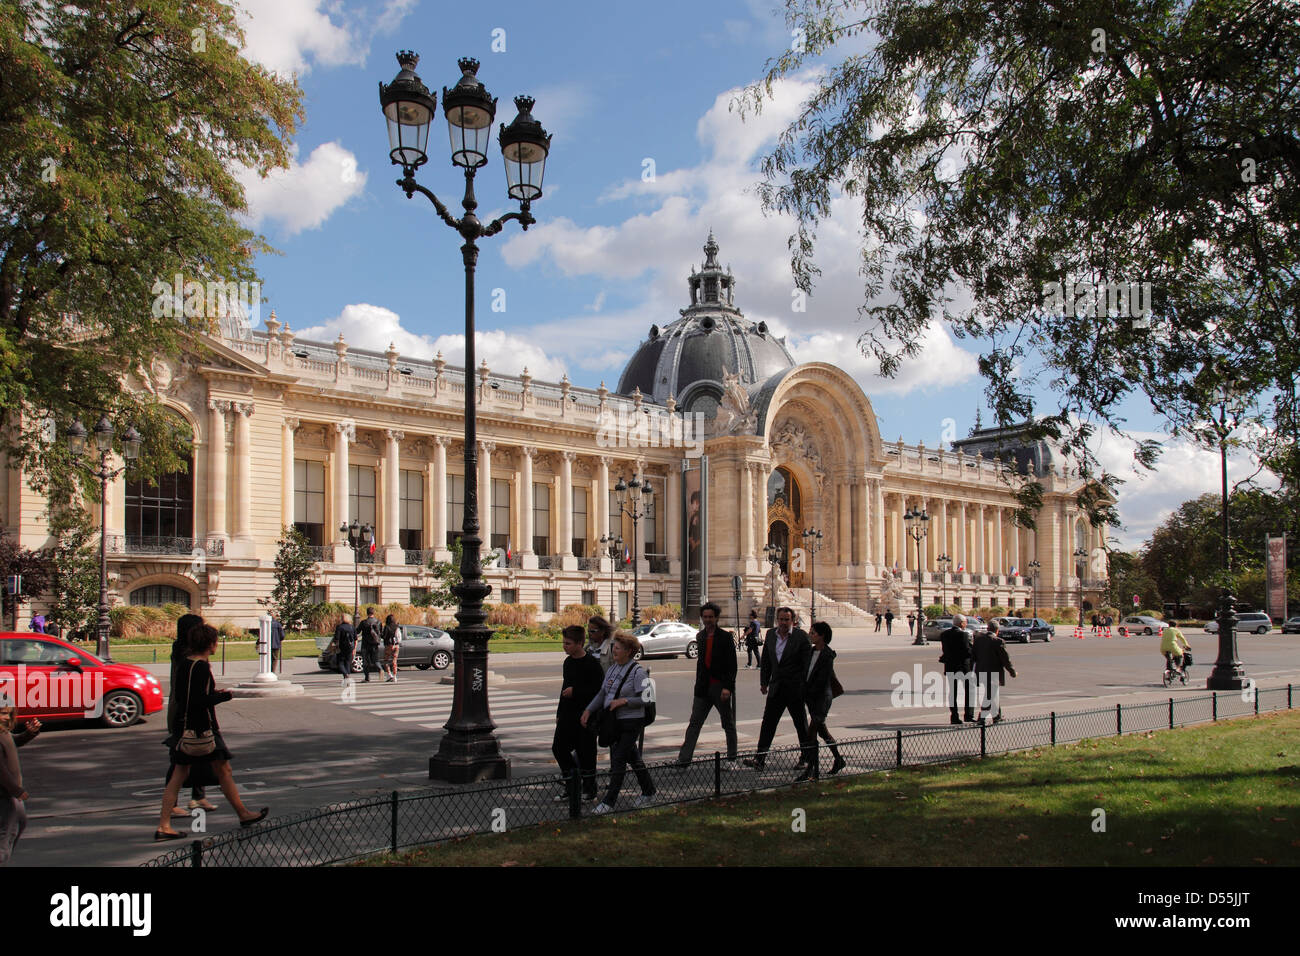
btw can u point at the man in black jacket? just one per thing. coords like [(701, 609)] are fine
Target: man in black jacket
[(782, 671), (368, 632), (582, 680), (957, 658), (715, 683), (345, 647)]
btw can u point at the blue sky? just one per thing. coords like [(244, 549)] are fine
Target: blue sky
[(627, 90)]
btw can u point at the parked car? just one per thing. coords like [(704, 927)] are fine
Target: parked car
[(1142, 624), (1024, 629), (668, 638), (422, 647), (117, 695), (1250, 622), (1291, 625), (935, 628)]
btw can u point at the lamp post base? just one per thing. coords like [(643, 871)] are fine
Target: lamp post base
[(469, 756), (1227, 677)]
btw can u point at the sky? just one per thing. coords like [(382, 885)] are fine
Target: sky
[(648, 155)]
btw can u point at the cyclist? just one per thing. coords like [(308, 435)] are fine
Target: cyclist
[(1172, 645)]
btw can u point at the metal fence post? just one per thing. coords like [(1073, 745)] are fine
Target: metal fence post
[(196, 854), (1119, 720), (1171, 713), (717, 774), (1214, 705), (1053, 728), (393, 821), (575, 794), (983, 740), (1256, 696), (898, 749)]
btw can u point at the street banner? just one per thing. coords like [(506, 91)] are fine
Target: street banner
[(695, 535), (1275, 575)]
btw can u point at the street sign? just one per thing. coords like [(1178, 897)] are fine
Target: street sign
[(1136, 600)]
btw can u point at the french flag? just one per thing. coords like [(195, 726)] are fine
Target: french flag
[(627, 555), (509, 551), (960, 567), (1015, 572), (372, 545)]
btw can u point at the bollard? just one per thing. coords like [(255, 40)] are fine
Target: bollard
[(196, 854), (983, 740), (393, 805)]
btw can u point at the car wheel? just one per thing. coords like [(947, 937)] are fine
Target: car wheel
[(357, 664), (1147, 632), (1262, 630), (441, 660), (121, 709), (637, 656), (1048, 638), (692, 649)]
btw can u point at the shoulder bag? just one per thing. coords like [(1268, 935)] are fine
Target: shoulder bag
[(193, 743), (608, 731)]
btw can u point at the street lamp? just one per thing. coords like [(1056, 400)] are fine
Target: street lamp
[(812, 543), (636, 500), (615, 548), (1228, 673), (359, 537), (918, 527), (1034, 566), (103, 439), (469, 750), (773, 554), (945, 565), (1079, 555)]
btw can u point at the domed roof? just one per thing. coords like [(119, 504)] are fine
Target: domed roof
[(689, 357)]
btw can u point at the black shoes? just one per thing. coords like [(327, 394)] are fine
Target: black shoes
[(955, 719), (806, 775), (752, 762), (838, 765)]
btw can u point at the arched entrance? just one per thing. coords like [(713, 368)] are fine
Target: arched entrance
[(785, 519)]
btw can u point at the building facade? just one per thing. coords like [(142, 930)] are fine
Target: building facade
[(318, 435)]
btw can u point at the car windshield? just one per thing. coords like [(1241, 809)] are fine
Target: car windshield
[(643, 630), (1015, 622)]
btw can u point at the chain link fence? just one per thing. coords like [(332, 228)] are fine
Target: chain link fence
[(360, 828)]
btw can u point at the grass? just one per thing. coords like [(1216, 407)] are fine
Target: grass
[(242, 651), (1227, 794)]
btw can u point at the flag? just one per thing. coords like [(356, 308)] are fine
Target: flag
[(627, 555), (509, 552), (372, 545), (1015, 573), (960, 567), (896, 565)]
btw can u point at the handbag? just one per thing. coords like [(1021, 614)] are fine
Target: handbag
[(607, 733), (194, 743), (1187, 659)]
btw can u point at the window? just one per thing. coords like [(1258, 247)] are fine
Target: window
[(361, 494), (550, 601), (455, 507), (500, 513), (164, 510), (369, 596), (615, 528), (318, 595), (541, 518), (956, 600), (579, 544), (309, 500), (659, 597), (509, 596), (410, 490), (651, 520), (156, 595), (419, 596), (622, 605), (588, 598)]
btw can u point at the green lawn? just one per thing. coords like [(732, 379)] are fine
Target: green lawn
[(1227, 794), (242, 651)]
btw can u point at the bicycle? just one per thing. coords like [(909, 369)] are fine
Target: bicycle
[(1172, 674)]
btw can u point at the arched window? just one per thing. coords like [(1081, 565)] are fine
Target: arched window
[(783, 483), (156, 514), (156, 595)]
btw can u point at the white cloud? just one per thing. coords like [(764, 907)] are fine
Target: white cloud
[(941, 363), (306, 194), (291, 36), (374, 327)]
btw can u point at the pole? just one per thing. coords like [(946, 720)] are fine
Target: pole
[(636, 576), (101, 645)]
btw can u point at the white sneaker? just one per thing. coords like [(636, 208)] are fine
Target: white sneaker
[(645, 800), (601, 808)]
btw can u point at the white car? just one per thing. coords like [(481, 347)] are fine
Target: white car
[(668, 637), (1249, 622), (1141, 624)]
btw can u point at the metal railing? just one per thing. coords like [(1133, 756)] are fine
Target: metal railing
[(164, 544), (416, 556), (321, 553), (658, 563), (361, 828)]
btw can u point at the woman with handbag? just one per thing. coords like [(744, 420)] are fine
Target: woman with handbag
[(200, 743), (620, 706), (392, 638), (819, 689)]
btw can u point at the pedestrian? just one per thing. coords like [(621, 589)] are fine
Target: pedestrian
[(599, 641), (621, 706), (582, 680), (715, 684), (911, 622), (818, 692), (958, 653), (199, 778), (889, 621), (368, 633), (13, 795), (37, 624), (1093, 621), (991, 657), (201, 742), (782, 671), (392, 638), (277, 640), (345, 647), (878, 620), (752, 656)]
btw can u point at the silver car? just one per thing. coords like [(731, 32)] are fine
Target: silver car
[(1250, 622), (669, 638)]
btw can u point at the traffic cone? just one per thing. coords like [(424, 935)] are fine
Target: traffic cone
[(1078, 632), (1106, 633)]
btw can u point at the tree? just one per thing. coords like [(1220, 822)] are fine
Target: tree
[(291, 600), (32, 569), (447, 574), (1004, 153), (122, 126), (74, 567), (1128, 576)]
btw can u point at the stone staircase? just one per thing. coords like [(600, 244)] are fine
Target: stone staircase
[(835, 613)]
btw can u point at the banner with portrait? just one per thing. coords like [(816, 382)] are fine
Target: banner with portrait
[(694, 531), (1275, 575)]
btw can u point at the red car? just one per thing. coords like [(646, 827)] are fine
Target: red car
[(51, 679)]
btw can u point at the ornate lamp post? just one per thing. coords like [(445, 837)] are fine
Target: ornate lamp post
[(469, 750), (773, 554), (1228, 673), (917, 522), (945, 564), (812, 543), (636, 500), (1080, 556), (103, 438), (1034, 566), (359, 538), (614, 546)]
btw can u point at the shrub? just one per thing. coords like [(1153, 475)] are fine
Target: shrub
[(520, 615), (1064, 615), (577, 614), (932, 611), (1158, 615), (659, 612)]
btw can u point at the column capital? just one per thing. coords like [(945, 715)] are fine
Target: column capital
[(219, 405), (487, 447), (244, 408), (606, 460), (528, 451), (569, 456), (347, 430), (394, 435), (292, 424), (443, 440)]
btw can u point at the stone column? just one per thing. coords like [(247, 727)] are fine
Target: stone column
[(941, 543), (602, 498), (392, 498), (877, 488), (439, 493), (485, 449), (746, 479), (862, 507), (243, 474), (981, 538), (217, 527), (526, 455), (289, 426), (964, 557), (845, 521), (565, 513), (345, 433), (672, 519)]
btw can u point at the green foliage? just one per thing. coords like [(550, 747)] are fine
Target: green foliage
[(447, 575), (932, 611), (291, 599), (121, 140), (74, 577), (33, 567), (661, 612), (968, 134)]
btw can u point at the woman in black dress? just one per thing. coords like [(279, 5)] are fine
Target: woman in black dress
[(197, 695)]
